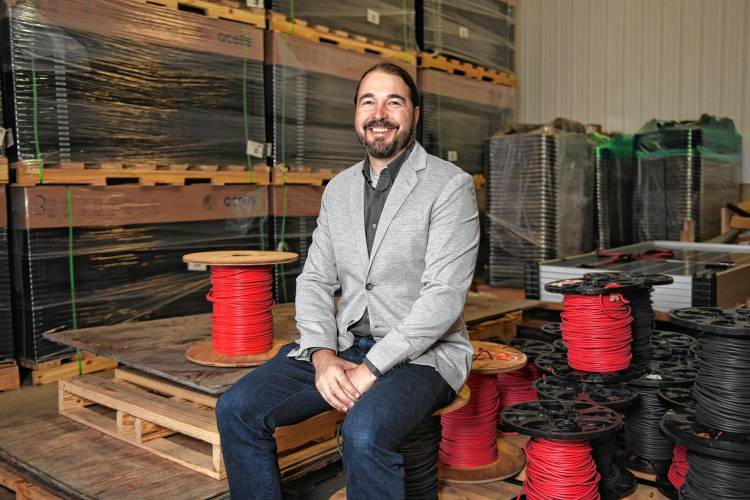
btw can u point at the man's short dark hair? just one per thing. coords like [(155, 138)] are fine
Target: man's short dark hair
[(393, 69)]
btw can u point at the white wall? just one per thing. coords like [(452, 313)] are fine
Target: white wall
[(622, 62)]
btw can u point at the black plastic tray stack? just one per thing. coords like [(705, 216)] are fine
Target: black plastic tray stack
[(6, 326), (127, 81), (685, 171), (540, 198), (387, 21), (478, 31), (614, 195)]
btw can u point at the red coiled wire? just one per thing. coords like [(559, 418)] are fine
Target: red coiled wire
[(515, 387), (470, 433), (563, 470), (679, 467), (596, 331), (242, 304)]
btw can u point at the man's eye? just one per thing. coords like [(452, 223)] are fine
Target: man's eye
[(395, 103)]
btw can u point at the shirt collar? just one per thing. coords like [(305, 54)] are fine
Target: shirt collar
[(392, 169)]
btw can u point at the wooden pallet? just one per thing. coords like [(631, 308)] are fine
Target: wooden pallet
[(323, 34), (23, 488), (10, 379), (179, 424), (502, 328), (3, 170), (457, 67), (27, 173), (49, 371), (282, 175), (217, 9)]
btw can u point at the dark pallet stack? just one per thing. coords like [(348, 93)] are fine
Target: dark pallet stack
[(6, 324), (311, 110), (540, 197), (91, 256), (294, 211), (460, 115), (685, 171), (129, 81), (478, 31), (614, 172), (388, 21)]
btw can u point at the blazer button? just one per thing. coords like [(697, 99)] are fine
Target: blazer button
[(368, 286)]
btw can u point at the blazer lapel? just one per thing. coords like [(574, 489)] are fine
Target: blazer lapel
[(405, 182), (357, 212)]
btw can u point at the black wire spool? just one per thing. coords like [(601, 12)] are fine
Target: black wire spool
[(616, 482), (561, 420), (615, 396), (677, 398), (715, 478), (722, 390), (593, 285), (643, 436), (642, 310), (681, 426), (420, 453), (552, 330), (726, 322), (532, 348), (557, 365), (648, 279), (560, 346)]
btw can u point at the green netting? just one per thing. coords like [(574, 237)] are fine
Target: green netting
[(712, 137), (619, 146)]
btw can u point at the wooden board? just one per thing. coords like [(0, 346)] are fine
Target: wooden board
[(158, 347), (282, 175), (457, 67), (29, 173), (10, 379), (240, 258), (23, 488), (3, 170), (322, 34)]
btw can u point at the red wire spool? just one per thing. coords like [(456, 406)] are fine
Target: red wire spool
[(242, 321), (470, 450), (679, 467), (516, 386), (596, 330), (563, 470)]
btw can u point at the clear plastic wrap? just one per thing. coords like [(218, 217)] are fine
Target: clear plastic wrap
[(123, 247), (459, 115), (388, 21), (614, 171), (124, 80), (540, 197), (477, 31), (6, 326), (295, 216), (685, 171), (313, 88)]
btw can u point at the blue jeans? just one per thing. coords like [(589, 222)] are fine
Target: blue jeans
[(282, 392)]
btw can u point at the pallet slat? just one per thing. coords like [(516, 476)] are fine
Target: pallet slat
[(232, 11), (457, 67), (27, 173), (10, 379)]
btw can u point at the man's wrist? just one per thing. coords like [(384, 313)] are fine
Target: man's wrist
[(320, 352), (372, 368)]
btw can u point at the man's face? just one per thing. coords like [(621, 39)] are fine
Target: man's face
[(385, 116)]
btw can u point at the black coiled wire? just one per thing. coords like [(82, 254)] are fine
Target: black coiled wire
[(603, 453), (643, 324), (722, 389), (715, 478), (420, 452), (642, 435)]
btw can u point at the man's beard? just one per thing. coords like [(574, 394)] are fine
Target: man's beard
[(381, 149)]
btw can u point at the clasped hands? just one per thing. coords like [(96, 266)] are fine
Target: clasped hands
[(340, 382)]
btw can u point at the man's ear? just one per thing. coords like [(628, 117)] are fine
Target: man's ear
[(416, 116)]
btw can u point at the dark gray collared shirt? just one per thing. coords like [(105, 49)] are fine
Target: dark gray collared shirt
[(375, 197)]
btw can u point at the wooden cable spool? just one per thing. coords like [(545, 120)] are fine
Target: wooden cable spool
[(510, 458), (204, 352)]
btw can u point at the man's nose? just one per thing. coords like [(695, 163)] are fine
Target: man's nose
[(381, 111)]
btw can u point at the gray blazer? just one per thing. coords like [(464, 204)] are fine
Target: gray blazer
[(416, 279)]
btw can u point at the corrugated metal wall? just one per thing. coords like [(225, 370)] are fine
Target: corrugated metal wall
[(622, 62)]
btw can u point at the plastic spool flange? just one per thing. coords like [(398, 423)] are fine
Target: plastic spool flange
[(648, 279), (666, 374), (593, 286), (557, 365), (616, 396), (532, 348), (729, 322), (677, 398), (683, 429), (562, 420)]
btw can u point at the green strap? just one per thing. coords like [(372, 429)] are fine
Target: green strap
[(71, 274), (245, 106), (406, 32)]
